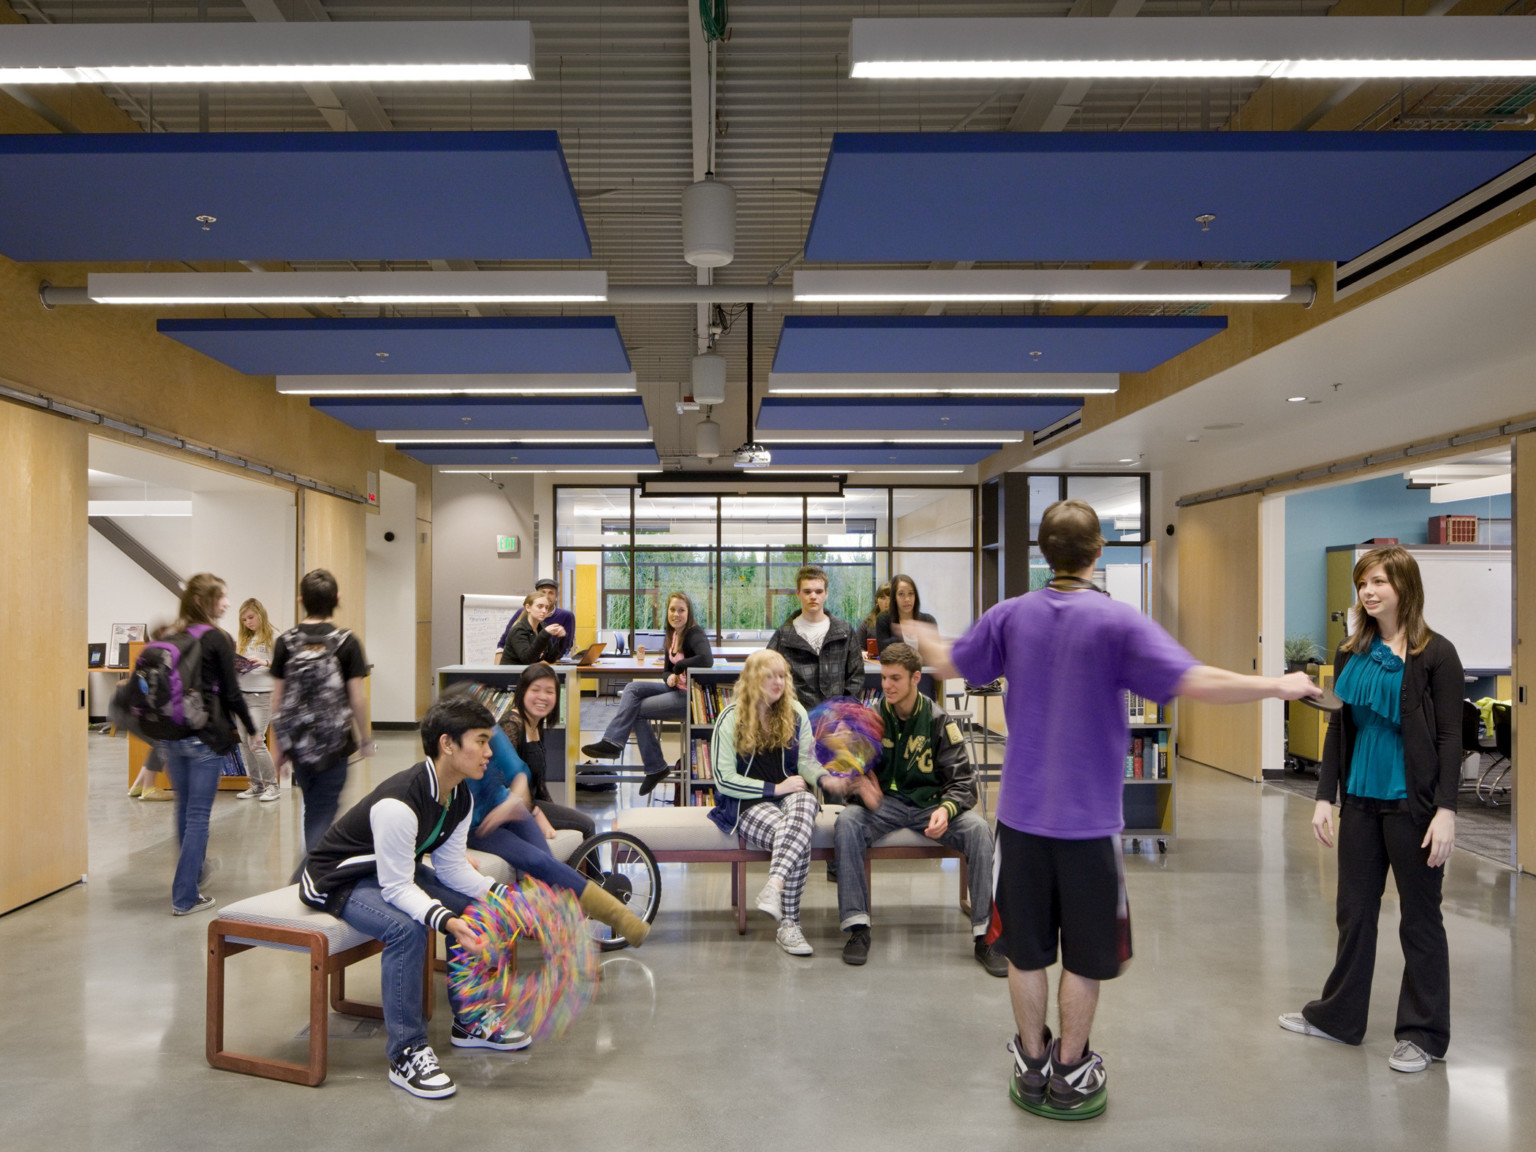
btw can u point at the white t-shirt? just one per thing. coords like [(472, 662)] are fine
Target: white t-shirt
[(813, 634)]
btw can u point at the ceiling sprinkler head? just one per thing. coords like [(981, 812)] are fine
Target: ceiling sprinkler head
[(207, 220), (1205, 220)]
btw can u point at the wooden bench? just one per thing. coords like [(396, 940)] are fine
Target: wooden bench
[(689, 836), (280, 920)]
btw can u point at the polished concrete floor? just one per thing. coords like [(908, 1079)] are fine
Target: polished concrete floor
[(707, 1040)]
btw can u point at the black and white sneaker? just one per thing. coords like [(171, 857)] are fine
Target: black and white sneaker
[(418, 1072), (1076, 1091), (480, 1036), (1030, 1077)]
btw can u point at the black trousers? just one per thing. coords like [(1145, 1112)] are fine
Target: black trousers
[(1369, 843)]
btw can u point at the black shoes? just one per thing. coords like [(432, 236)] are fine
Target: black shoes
[(856, 950), (990, 958), (602, 750), (648, 785), (1031, 1077)]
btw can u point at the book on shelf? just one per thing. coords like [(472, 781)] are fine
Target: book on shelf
[(1162, 754), (498, 700), (1143, 711), (1147, 758), (707, 701)]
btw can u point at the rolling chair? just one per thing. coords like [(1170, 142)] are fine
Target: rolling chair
[(1490, 784)]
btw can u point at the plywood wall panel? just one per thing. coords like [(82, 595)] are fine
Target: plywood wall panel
[(1219, 622), (43, 841)]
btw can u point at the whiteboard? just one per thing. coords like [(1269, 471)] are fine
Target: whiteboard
[(482, 620), (1469, 599)]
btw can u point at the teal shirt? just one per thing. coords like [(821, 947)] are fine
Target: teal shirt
[(1372, 686)]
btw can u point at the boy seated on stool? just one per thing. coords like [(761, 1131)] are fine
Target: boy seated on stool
[(924, 780), (367, 870)]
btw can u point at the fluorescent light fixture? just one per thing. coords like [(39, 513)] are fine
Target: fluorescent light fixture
[(475, 384), (1076, 286), (120, 508), (305, 52), (943, 383), (825, 437), (549, 468), (1280, 47), (1471, 489), (493, 437), (347, 287)]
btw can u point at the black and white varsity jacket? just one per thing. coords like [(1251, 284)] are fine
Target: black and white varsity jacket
[(386, 834)]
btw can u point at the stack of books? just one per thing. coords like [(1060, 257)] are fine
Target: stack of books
[(1147, 758)]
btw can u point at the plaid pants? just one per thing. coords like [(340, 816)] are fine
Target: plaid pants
[(783, 826)]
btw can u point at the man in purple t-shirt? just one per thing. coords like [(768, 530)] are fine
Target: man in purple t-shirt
[(1070, 654)]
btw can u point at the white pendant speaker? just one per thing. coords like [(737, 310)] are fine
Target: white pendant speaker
[(707, 440), (709, 224), (709, 378)]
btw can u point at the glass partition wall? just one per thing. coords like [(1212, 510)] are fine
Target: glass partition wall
[(621, 554)]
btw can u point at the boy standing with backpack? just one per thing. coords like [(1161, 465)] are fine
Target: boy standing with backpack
[(318, 708)]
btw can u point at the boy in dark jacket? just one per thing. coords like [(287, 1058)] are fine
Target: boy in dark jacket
[(823, 658), (924, 780)]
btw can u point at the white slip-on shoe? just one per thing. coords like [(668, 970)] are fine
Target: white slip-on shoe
[(1409, 1057), (1296, 1022)]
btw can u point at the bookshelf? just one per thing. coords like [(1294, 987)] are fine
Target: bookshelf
[(1150, 775)]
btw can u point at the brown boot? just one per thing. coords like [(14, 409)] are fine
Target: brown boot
[(601, 905)]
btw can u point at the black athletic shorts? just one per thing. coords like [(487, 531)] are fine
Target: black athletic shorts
[(1071, 890)]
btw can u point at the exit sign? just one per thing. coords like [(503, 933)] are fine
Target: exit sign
[(506, 544)]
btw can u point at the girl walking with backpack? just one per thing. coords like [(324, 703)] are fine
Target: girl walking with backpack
[(253, 662), (193, 760)]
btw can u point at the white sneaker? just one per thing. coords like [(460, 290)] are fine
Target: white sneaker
[(270, 793), (792, 940), (771, 900), (250, 793), (1409, 1057), (1296, 1022)]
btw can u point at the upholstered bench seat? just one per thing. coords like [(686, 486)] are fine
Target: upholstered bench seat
[(688, 835)]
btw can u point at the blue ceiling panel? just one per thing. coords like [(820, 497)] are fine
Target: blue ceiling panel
[(1110, 196), (448, 346), (914, 414), (834, 457), (536, 456), (288, 196), (898, 344), (462, 413)]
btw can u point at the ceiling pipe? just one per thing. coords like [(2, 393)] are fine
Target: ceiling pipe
[(53, 296)]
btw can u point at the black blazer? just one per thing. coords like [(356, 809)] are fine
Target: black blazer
[(883, 635), (1431, 707), (694, 652)]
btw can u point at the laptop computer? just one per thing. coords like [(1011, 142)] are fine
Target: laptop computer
[(589, 657)]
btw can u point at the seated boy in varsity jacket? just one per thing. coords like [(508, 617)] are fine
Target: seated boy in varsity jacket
[(368, 871)]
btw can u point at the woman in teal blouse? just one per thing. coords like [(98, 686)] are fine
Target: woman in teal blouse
[(1396, 750)]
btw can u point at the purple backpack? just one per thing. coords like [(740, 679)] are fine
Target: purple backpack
[(163, 697)]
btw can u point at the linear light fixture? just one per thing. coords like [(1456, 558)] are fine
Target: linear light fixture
[(943, 383), (581, 438), (1280, 47), (267, 53), (207, 288), (940, 437), (1078, 286), (548, 468), (474, 384)]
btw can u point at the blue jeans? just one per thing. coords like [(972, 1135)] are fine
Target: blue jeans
[(321, 787), (405, 952), (857, 828), (521, 844), (194, 771), (645, 700)]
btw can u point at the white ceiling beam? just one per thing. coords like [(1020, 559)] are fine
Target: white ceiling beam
[(1049, 105), (346, 107)]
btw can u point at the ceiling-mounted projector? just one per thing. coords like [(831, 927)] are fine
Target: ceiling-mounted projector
[(753, 455)]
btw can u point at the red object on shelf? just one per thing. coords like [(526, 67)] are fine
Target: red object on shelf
[(1453, 529)]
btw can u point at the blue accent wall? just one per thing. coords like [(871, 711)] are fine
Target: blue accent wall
[(1316, 521)]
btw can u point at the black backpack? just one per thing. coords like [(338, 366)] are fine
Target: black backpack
[(316, 715), (162, 698)]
